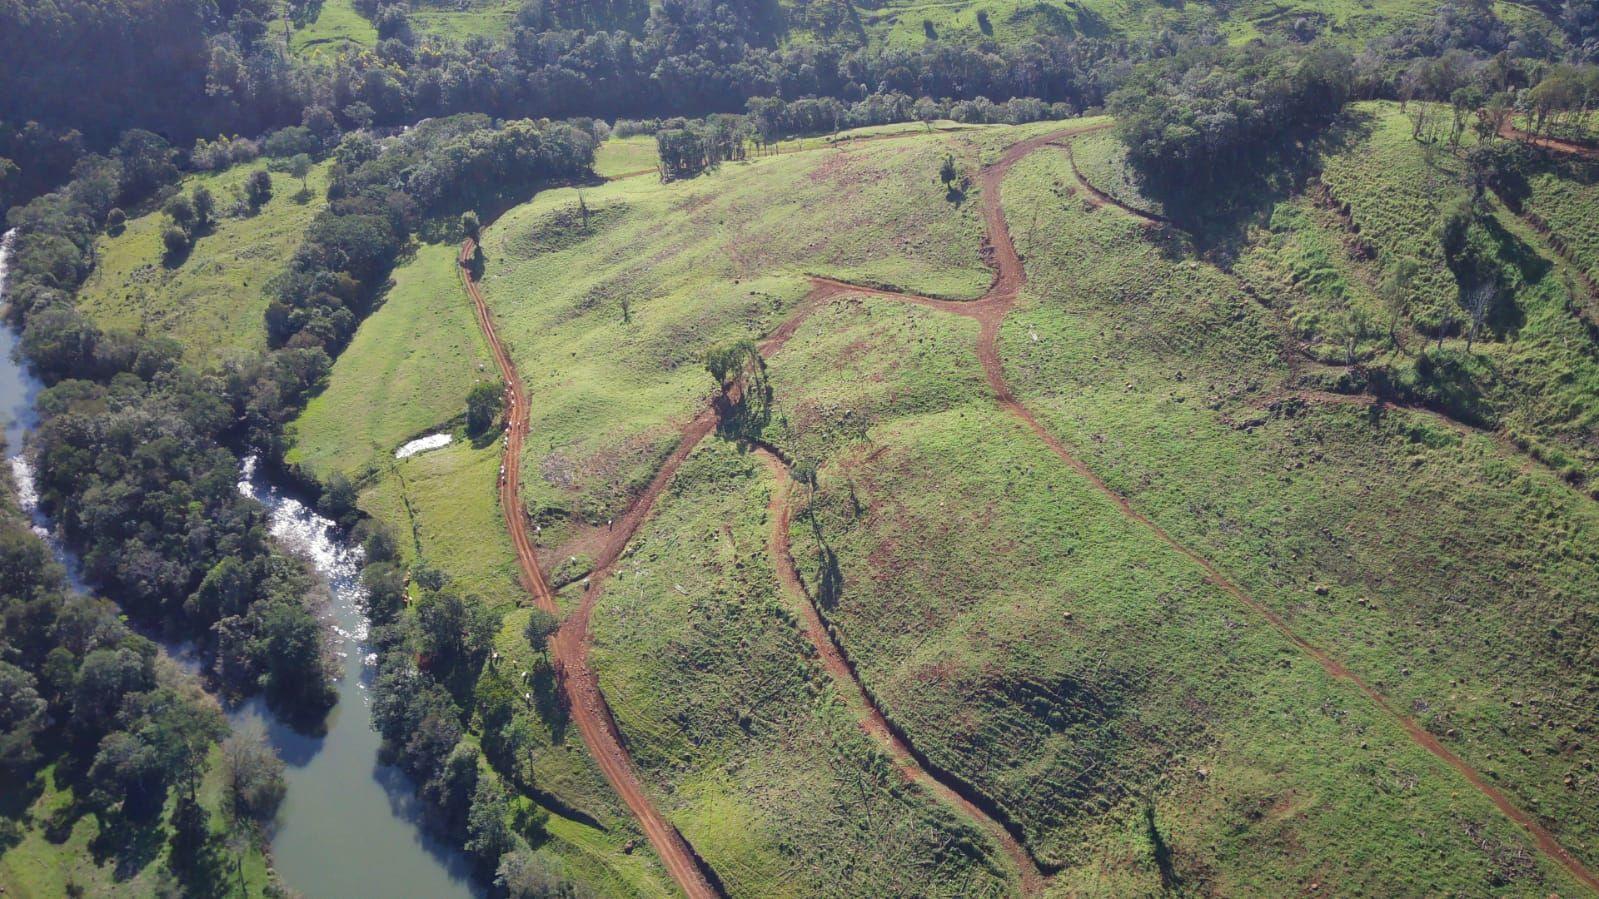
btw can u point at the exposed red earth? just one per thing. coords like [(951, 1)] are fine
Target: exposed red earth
[(1511, 132)]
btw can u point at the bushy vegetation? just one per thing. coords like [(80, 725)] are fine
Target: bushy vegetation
[(91, 713)]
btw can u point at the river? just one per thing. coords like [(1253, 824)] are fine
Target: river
[(350, 826)]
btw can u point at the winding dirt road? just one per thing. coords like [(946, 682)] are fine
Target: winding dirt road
[(570, 647), (571, 643)]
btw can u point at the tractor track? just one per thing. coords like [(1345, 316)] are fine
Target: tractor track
[(571, 643)]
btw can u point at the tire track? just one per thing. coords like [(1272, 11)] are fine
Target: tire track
[(872, 720), (588, 707), (1511, 132), (990, 311)]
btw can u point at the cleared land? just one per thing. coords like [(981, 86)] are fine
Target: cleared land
[(213, 299), (1249, 743)]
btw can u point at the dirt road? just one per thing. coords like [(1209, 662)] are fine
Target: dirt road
[(1510, 132), (587, 704)]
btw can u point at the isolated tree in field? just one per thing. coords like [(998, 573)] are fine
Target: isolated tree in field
[(1395, 290), (116, 220), (740, 371), (583, 210), (483, 407), (176, 240), (300, 167), (205, 207), (470, 226), (947, 172), (730, 361), (541, 626), (258, 189), (1480, 302), (181, 210)]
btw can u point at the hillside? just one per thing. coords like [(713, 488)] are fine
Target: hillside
[(1159, 724), (1038, 448)]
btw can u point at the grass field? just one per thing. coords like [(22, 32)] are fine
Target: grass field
[(1468, 615), (335, 28), (626, 156), (212, 301), (753, 754), (609, 325)]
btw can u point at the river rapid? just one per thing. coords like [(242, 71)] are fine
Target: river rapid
[(350, 827)]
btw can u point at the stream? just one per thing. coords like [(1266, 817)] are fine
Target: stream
[(350, 826)]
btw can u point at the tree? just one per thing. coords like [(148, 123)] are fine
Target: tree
[(1480, 302), (535, 875), (451, 632), (1395, 290), (181, 210), (483, 406), (176, 240), (469, 225), (947, 172), (488, 832), (22, 717), (300, 167), (258, 189), (115, 221), (339, 500), (205, 206), (541, 625), (252, 775)]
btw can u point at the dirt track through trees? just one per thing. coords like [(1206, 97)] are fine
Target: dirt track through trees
[(1510, 132)]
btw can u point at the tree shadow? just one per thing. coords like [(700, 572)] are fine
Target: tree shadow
[(1169, 881), (130, 844), (1218, 216)]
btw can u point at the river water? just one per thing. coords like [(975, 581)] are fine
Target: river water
[(350, 826)]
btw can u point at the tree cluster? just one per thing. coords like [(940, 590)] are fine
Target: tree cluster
[(1207, 115), (382, 191), (80, 691), (132, 452)]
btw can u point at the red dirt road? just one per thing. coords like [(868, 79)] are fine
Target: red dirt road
[(1511, 132), (872, 720), (588, 708), (571, 643)]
